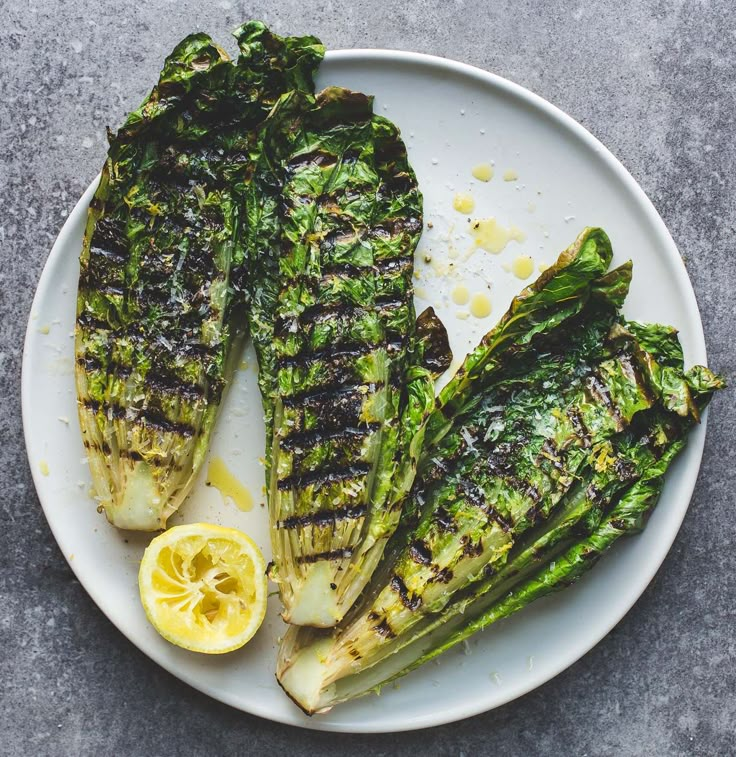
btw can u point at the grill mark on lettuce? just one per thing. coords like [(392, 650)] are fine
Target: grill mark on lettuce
[(411, 601), (330, 555), (319, 436), (324, 518), (321, 478), (420, 552), (383, 628), (578, 426), (317, 397), (140, 416), (477, 497)]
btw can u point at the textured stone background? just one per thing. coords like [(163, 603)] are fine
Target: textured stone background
[(655, 82)]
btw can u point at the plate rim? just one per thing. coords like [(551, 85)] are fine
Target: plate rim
[(461, 709)]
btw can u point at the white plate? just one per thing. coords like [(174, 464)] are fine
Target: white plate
[(452, 117)]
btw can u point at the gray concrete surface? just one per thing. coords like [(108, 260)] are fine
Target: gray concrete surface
[(654, 81)]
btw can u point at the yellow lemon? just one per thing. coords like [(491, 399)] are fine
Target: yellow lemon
[(203, 587)]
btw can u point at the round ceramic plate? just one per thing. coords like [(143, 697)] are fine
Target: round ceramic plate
[(551, 178)]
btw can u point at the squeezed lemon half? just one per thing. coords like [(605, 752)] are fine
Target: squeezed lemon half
[(203, 587)]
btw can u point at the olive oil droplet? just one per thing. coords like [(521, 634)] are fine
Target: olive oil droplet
[(480, 305), (220, 476), (460, 295), (483, 172), (523, 267), (492, 237), (463, 203)]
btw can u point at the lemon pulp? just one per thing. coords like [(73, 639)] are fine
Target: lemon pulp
[(203, 587)]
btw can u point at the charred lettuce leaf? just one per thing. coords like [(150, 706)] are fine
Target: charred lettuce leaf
[(161, 288), (336, 215), (552, 453), (616, 502)]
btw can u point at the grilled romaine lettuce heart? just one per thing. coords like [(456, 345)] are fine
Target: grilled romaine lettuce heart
[(159, 313), (335, 216), (537, 463)]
